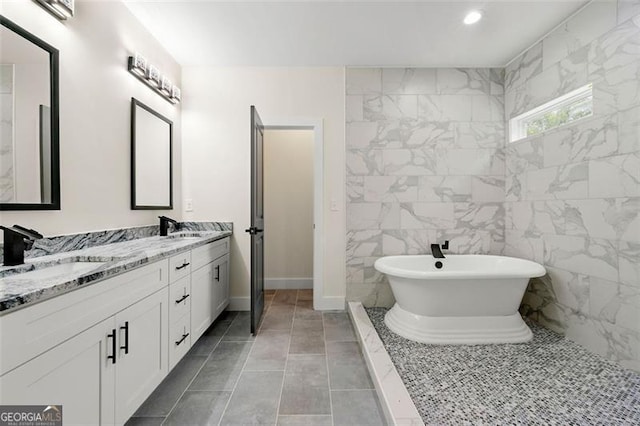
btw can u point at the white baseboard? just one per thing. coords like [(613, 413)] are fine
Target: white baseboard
[(329, 303), (288, 283), (239, 304)]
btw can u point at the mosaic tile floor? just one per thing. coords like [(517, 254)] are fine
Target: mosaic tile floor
[(548, 381)]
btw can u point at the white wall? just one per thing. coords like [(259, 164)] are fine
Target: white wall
[(217, 150), (95, 108), (288, 204)]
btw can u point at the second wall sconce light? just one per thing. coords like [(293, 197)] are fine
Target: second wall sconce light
[(61, 9), (152, 77)]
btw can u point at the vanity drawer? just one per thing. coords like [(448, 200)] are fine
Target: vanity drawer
[(206, 254), (179, 266), (179, 340), (179, 299)]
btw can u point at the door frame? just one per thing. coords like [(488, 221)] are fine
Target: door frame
[(317, 126)]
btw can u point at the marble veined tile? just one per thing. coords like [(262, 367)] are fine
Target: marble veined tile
[(467, 241), (409, 162), (354, 108), (538, 217), (515, 187), (480, 135), (373, 216), (517, 244), (524, 67), (610, 218), (616, 176), (409, 81), (424, 134), (629, 131), (615, 303), (590, 23), (391, 188), (355, 189), (388, 107), (484, 216), (590, 256), (445, 107), (561, 182), (487, 188), (426, 216), (362, 81), (464, 81), (360, 134), (407, 241), (629, 262), (364, 162), (364, 243), (588, 139), (525, 155), (444, 188), (614, 49), (570, 289), (617, 90), (628, 9)]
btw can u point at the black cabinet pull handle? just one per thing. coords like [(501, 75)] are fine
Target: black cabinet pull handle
[(126, 337), (218, 273), (184, 336), (112, 335), (184, 265), (182, 298)]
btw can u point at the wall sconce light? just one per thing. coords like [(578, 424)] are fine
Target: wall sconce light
[(61, 9), (152, 77)]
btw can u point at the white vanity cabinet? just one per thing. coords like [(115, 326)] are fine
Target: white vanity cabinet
[(209, 285), (76, 374), (100, 351)]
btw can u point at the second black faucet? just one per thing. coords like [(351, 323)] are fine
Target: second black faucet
[(164, 225)]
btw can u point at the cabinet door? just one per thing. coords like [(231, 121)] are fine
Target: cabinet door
[(76, 374), (221, 287), (202, 308), (142, 352)]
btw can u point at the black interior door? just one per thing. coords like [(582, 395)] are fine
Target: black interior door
[(257, 220)]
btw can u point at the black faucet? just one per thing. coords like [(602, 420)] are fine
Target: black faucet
[(164, 225), (17, 239), (437, 252)]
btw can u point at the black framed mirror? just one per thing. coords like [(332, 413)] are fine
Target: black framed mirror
[(29, 121), (151, 159)]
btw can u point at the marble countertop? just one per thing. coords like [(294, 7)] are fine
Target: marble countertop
[(19, 287)]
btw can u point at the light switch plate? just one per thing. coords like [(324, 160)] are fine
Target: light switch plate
[(188, 205), (334, 205)]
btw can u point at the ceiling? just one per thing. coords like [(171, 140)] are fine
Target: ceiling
[(348, 33)]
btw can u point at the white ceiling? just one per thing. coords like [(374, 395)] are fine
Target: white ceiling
[(348, 33)]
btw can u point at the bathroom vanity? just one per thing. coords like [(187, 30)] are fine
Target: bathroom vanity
[(99, 340)]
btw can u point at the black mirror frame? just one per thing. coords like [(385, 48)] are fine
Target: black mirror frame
[(136, 103), (55, 121)]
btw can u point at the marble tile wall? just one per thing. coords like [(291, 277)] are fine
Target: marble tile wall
[(572, 196), (425, 163)]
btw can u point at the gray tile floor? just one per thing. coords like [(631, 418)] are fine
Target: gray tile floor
[(304, 367)]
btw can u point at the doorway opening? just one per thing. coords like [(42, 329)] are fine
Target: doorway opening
[(293, 207)]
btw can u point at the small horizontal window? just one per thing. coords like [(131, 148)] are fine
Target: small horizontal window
[(558, 112)]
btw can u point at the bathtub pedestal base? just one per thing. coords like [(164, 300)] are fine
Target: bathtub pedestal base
[(457, 330)]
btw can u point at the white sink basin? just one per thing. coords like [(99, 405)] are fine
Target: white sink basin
[(55, 271)]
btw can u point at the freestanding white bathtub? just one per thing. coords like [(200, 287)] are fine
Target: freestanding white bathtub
[(469, 300)]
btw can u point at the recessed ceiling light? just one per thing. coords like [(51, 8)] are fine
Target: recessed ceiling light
[(472, 17)]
